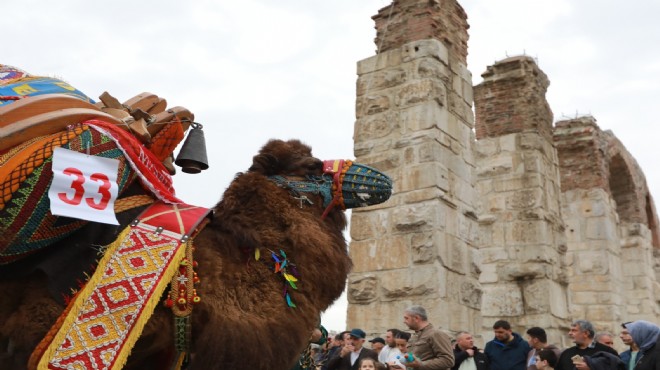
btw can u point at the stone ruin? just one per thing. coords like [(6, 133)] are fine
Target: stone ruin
[(497, 214)]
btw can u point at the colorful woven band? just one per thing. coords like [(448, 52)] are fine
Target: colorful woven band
[(108, 315)]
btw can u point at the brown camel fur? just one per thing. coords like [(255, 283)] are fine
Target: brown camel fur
[(243, 321)]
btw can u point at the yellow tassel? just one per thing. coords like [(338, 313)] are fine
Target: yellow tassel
[(290, 277), (257, 254)]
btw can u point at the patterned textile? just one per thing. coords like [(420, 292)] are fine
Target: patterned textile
[(108, 315), (151, 171), (166, 140), (15, 82), (27, 224)]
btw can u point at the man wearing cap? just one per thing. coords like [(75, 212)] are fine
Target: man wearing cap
[(352, 353), (377, 344)]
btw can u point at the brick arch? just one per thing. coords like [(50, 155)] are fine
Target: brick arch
[(622, 188), (628, 187)]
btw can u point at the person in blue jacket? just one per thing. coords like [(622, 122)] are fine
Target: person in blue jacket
[(507, 351)]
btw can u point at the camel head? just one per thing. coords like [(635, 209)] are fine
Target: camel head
[(341, 183)]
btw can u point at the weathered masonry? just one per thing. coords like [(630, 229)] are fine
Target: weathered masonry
[(498, 213)]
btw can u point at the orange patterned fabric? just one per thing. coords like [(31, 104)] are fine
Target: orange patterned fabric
[(20, 165), (166, 140)]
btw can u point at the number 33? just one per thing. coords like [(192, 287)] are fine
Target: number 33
[(77, 186)]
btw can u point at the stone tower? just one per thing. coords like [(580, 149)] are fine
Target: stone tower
[(523, 243), (414, 121)]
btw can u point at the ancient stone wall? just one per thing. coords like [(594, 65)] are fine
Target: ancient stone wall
[(502, 217)]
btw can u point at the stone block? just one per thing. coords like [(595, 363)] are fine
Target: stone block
[(601, 228), (527, 232), (536, 295), (421, 91), (389, 58), (525, 199), (422, 281), (501, 300), (380, 80), (369, 225), (468, 94), (423, 247), (362, 288), (384, 161), (488, 274), (523, 182), (424, 175), (423, 195), (486, 148), (533, 141), (381, 254), (377, 126), (508, 143), (422, 116), (534, 162), (609, 313), (595, 262), (371, 104), (425, 48), (470, 294), (416, 218), (432, 69), (518, 271), (535, 253), (372, 146), (495, 166), (455, 128), (493, 254), (453, 254)]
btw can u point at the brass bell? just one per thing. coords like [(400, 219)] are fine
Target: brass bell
[(192, 156)]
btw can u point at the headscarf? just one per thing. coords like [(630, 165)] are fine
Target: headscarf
[(644, 333)]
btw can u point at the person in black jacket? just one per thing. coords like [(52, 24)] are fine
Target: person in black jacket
[(466, 351), (582, 332)]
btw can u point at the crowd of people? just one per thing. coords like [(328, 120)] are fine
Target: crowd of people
[(430, 348)]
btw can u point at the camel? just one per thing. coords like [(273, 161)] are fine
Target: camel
[(242, 321)]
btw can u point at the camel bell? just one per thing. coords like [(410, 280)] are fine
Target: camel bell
[(192, 156)]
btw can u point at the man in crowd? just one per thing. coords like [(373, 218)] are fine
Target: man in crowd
[(337, 345), (507, 351), (605, 338), (352, 352), (466, 355), (582, 333), (431, 347), (390, 345), (377, 344), (538, 340)]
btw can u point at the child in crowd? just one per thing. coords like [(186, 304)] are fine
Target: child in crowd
[(546, 359), (370, 364), (397, 359)]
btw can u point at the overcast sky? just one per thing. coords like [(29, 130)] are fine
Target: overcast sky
[(251, 70)]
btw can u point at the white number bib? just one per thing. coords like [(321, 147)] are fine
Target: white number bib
[(84, 186)]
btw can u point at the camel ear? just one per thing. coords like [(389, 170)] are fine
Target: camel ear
[(265, 164)]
